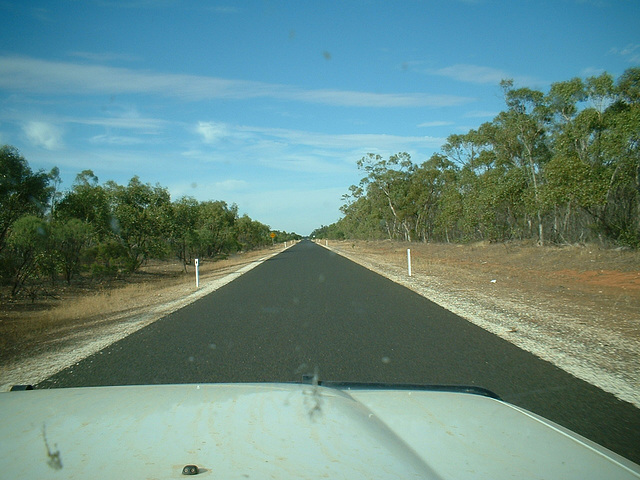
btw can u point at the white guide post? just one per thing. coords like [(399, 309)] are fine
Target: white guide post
[(409, 260), (197, 274)]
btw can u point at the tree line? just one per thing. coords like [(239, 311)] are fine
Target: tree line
[(48, 235), (561, 166)]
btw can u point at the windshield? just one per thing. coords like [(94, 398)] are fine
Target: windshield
[(425, 193)]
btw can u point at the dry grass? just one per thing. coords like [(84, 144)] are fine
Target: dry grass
[(586, 266)]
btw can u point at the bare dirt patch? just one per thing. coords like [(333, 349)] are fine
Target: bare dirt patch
[(41, 338), (575, 306)]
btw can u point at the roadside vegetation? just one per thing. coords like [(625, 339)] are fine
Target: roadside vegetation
[(556, 167), (51, 237)]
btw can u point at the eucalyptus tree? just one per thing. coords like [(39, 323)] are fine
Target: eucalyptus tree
[(595, 162), (521, 142), (572, 182), (387, 183), (556, 167), (430, 188), (620, 151), (217, 228), (362, 220), (251, 233), (87, 201), (140, 219), (69, 241), (26, 243), (54, 189), (183, 228), (629, 122), (490, 193), (22, 191)]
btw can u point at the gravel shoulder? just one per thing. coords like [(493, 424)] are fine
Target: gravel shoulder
[(566, 309)]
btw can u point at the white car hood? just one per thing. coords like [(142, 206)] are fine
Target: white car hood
[(286, 431)]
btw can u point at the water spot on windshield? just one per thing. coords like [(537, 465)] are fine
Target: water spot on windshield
[(313, 397), (302, 368), (54, 461)]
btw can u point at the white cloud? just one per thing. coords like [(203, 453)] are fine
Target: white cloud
[(435, 124), (298, 151), (479, 74), (43, 135), (147, 125), (126, 120), (116, 140), (346, 141), (481, 114), (231, 185), (366, 99), (592, 72), (103, 56), (212, 132), (41, 76), (472, 73), (631, 52)]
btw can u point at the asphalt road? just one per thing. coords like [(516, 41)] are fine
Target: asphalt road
[(308, 308)]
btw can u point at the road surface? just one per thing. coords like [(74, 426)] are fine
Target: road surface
[(308, 309)]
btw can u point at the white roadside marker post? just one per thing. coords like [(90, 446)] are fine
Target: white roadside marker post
[(197, 274), (409, 260)]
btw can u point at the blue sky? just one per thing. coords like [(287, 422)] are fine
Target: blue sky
[(270, 104)]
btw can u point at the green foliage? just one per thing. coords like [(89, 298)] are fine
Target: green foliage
[(183, 235), (140, 220), (26, 244), (87, 201), (285, 236), (629, 86), (108, 229), (218, 229), (252, 234), (109, 258), (561, 166), (22, 191), (70, 241)]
